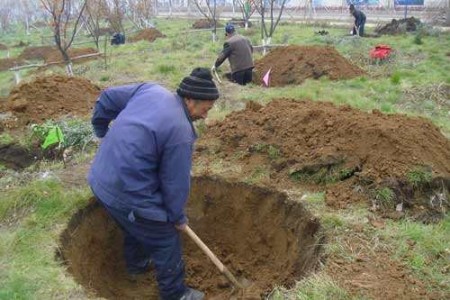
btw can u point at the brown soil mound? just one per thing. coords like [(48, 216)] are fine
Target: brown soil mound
[(350, 151), (259, 234), (3, 47), (55, 54), (36, 53), (49, 98), (148, 34), (399, 26), (52, 54), (203, 24), (295, 64), (7, 63)]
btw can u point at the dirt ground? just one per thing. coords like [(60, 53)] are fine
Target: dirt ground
[(49, 97), (399, 26), (52, 54), (294, 64), (258, 233), (7, 63), (353, 153), (3, 47), (149, 34)]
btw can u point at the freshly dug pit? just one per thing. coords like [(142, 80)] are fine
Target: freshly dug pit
[(294, 64), (50, 97), (399, 26), (258, 233), (16, 157), (148, 34), (390, 159)]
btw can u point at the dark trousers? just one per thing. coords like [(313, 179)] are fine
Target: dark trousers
[(361, 29), (159, 241), (242, 77)]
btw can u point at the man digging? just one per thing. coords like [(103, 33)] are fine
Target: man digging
[(141, 172), (360, 21), (238, 50)]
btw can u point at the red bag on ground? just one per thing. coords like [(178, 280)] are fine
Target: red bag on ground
[(380, 52)]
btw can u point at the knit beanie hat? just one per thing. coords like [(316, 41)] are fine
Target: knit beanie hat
[(229, 28), (198, 86)]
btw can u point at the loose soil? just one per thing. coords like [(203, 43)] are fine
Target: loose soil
[(399, 26), (16, 157), (3, 47), (50, 98), (51, 54), (294, 64), (205, 24), (148, 34), (258, 233), (7, 63), (355, 154)]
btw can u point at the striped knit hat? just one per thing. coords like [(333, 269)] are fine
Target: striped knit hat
[(198, 86)]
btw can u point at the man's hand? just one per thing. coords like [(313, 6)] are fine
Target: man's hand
[(213, 69), (181, 227)]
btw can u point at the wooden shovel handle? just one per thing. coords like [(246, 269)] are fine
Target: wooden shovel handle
[(213, 257)]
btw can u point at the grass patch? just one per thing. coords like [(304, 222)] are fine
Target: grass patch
[(419, 176), (27, 249)]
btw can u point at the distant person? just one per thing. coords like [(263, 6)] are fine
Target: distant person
[(238, 50), (360, 21), (142, 171), (118, 39)]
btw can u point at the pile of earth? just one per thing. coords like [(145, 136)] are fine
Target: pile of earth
[(294, 64), (387, 159), (240, 22), (52, 54), (49, 97), (7, 63), (21, 44), (399, 26), (148, 34), (3, 47), (205, 24)]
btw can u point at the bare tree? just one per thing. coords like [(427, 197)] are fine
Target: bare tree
[(269, 18), (247, 8), (115, 13), (209, 12), (92, 17), (65, 17), (140, 12)]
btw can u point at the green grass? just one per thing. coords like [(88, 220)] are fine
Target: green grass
[(425, 248), (35, 213), (419, 176)]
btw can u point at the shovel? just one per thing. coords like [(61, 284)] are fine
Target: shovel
[(224, 270)]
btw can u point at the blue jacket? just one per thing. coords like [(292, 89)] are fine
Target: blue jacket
[(144, 162), (360, 17)]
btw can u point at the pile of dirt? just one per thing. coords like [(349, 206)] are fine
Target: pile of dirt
[(259, 234), (148, 34), (55, 54), (240, 22), (7, 63), (21, 44), (50, 98), (399, 26), (389, 159), (52, 54), (205, 24), (294, 64), (3, 47), (36, 53)]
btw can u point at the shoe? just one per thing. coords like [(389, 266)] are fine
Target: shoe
[(192, 294)]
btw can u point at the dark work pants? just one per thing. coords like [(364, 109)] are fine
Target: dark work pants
[(159, 241), (361, 29), (242, 77)]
